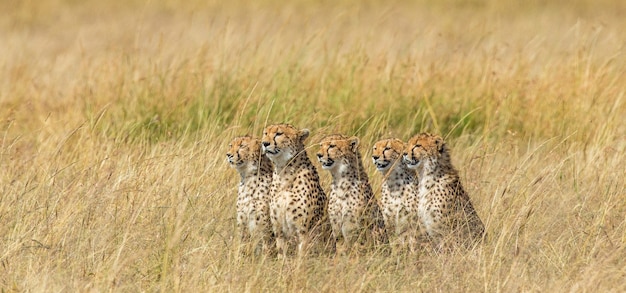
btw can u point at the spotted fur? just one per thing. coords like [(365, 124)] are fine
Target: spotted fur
[(353, 210), (298, 204), (253, 197), (446, 211), (398, 198)]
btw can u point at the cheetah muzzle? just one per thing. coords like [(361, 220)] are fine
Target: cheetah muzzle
[(381, 165), (270, 151), (412, 164), (326, 164), (232, 162)]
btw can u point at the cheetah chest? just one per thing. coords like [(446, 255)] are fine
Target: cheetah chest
[(246, 210), (425, 208), (395, 209), (343, 203), (281, 213), (290, 210)]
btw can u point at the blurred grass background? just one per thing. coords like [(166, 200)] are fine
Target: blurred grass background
[(115, 117)]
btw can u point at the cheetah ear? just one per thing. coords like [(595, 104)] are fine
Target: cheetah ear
[(441, 146), (303, 134), (354, 143)]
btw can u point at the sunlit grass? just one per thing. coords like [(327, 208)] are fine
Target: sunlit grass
[(115, 118)]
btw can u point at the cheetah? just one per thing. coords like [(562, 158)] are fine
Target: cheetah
[(352, 208), (253, 197), (398, 198), (445, 210), (298, 204)]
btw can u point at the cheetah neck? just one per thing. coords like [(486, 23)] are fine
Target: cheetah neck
[(436, 168), (256, 169), (297, 162), (349, 171), (399, 176)]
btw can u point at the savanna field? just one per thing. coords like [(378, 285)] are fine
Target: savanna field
[(115, 118)]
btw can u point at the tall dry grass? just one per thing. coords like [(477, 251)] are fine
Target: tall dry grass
[(115, 116)]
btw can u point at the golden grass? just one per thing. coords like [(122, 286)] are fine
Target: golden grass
[(115, 118)]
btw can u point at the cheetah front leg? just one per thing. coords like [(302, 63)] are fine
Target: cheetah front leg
[(350, 232), (281, 246), (303, 240), (376, 227), (267, 244), (264, 241), (279, 235), (392, 234), (416, 235), (441, 237), (244, 238), (308, 235), (336, 241)]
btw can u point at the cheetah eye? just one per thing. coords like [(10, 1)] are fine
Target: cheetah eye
[(418, 145), (331, 146), (279, 133)]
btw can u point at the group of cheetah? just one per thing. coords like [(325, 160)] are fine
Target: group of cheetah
[(280, 200)]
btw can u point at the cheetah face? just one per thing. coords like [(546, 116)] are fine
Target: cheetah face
[(421, 147), (243, 149), (386, 153), (282, 142), (337, 148)]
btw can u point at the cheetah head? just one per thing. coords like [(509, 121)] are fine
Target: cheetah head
[(337, 148), (421, 147), (281, 142), (244, 152), (387, 152)]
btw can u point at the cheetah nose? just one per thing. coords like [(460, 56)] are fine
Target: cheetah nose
[(266, 143), (375, 157), (229, 155), (406, 154), (319, 156)]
